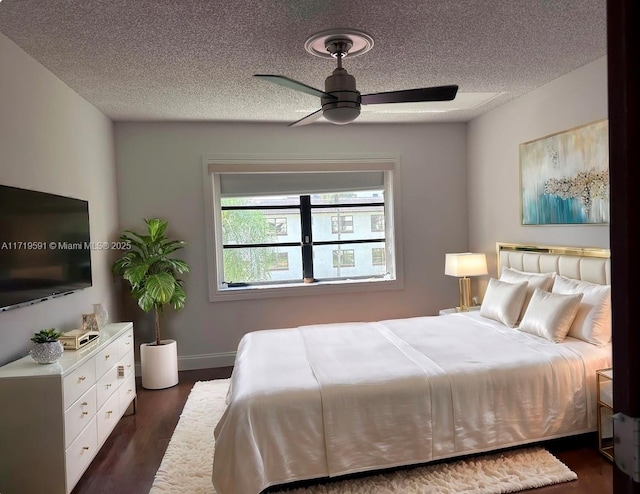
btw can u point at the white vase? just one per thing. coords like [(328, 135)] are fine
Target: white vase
[(159, 364), (47, 353), (102, 316)]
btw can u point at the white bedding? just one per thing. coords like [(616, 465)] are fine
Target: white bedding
[(328, 400)]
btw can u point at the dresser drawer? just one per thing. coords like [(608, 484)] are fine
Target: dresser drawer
[(125, 343), (79, 415), (108, 417), (81, 452), (127, 392), (126, 366), (107, 385), (107, 358), (78, 382)]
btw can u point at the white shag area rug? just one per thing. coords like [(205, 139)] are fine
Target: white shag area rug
[(186, 466)]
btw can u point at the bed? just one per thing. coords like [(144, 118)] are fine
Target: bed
[(328, 400)]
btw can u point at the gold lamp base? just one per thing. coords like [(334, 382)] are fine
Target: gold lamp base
[(465, 294)]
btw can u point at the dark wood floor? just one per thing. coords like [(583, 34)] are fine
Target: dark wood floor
[(128, 460)]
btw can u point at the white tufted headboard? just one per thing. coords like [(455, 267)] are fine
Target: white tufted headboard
[(588, 264)]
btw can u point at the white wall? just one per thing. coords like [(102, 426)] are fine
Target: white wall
[(52, 140), (493, 141), (160, 174)]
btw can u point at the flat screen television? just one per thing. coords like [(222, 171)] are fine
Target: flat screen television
[(45, 246)]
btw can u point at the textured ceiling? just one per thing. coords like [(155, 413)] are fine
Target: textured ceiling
[(140, 60)]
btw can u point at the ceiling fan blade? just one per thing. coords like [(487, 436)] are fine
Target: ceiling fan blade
[(291, 84), (436, 93), (312, 117)]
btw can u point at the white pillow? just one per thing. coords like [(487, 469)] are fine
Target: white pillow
[(535, 280), (593, 320), (503, 301), (550, 315)]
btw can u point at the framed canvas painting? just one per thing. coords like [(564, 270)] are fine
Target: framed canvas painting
[(564, 177)]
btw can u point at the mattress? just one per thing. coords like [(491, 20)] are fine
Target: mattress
[(328, 400)]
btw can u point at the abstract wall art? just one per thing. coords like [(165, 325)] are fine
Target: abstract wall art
[(565, 177)]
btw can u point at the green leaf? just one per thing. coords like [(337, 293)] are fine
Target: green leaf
[(145, 301), (169, 247), (160, 287), (135, 273), (180, 266), (156, 227), (179, 297)]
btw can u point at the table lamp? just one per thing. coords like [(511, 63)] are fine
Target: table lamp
[(462, 265)]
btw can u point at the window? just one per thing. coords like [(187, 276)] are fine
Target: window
[(277, 226), (377, 222), (296, 227), (378, 256), (344, 258), (342, 224), (278, 261)]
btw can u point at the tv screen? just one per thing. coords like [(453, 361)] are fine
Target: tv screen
[(45, 246)]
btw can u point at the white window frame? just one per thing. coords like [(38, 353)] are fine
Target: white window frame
[(215, 165)]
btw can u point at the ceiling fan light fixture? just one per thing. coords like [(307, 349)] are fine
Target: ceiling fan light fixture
[(341, 115)]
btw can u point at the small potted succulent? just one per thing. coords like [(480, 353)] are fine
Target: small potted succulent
[(48, 347)]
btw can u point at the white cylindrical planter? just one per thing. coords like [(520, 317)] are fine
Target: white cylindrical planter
[(159, 364)]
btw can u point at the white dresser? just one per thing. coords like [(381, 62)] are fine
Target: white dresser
[(55, 417)]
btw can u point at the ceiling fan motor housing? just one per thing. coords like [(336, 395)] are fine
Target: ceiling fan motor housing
[(346, 108)]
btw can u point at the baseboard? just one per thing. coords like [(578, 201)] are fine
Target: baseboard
[(194, 362)]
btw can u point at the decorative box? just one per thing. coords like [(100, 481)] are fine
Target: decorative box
[(77, 338)]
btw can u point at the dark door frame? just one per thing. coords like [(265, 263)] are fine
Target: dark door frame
[(624, 162)]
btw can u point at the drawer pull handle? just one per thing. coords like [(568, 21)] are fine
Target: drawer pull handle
[(107, 356), (81, 378), (84, 403), (85, 413), (108, 386), (109, 412), (86, 448)]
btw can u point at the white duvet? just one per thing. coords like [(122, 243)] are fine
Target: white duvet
[(333, 399)]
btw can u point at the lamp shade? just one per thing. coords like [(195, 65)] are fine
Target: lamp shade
[(465, 264)]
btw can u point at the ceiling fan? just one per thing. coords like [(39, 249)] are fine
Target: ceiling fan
[(341, 100)]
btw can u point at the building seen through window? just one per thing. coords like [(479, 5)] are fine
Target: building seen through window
[(277, 226), (344, 258), (378, 256), (377, 222), (342, 224)]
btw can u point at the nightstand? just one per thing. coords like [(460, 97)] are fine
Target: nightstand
[(453, 310), (604, 398)]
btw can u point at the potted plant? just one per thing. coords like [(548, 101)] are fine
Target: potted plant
[(153, 275), (48, 348)]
